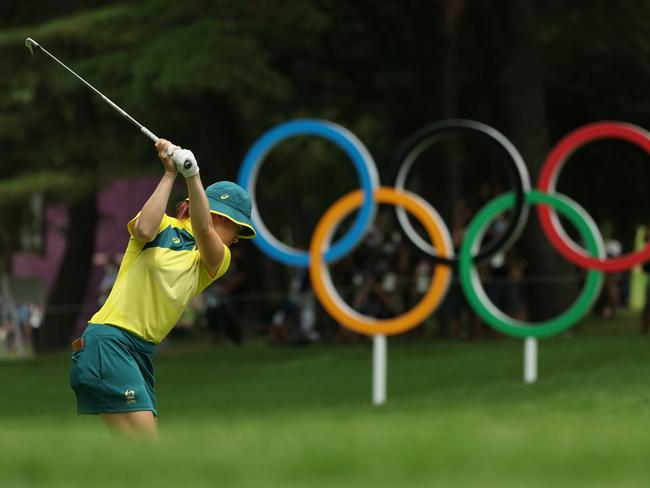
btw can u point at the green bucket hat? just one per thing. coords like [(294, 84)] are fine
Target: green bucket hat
[(232, 201)]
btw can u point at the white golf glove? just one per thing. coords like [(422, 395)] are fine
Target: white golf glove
[(184, 160)]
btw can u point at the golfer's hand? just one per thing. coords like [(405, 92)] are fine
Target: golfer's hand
[(165, 150), (185, 162)]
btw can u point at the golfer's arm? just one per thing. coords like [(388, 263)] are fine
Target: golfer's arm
[(209, 243), (146, 227)]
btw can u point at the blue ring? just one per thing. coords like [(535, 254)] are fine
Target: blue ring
[(363, 163)]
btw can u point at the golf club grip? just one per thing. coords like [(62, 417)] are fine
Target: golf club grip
[(149, 134)]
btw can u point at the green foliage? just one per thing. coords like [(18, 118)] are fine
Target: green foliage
[(597, 61), (186, 70), (55, 184), (185, 51)]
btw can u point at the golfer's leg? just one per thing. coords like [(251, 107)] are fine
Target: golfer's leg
[(132, 424), (144, 422), (118, 423)]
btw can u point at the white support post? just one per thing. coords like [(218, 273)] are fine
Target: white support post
[(530, 360), (379, 369)]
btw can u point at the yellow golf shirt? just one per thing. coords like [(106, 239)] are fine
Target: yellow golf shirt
[(157, 280)]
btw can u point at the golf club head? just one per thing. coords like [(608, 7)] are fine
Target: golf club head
[(31, 44)]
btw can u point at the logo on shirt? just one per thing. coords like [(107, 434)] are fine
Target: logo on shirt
[(130, 396), (176, 240), (224, 196)]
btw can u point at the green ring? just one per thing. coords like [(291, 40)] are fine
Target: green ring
[(473, 288)]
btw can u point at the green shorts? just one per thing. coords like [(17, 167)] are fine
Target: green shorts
[(113, 372)]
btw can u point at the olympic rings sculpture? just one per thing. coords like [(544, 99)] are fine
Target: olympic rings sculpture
[(548, 202)]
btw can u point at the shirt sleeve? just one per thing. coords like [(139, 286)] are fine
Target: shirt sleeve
[(164, 223), (204, 276)]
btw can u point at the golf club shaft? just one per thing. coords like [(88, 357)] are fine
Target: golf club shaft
[(142, 128)]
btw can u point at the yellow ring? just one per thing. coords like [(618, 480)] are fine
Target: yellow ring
[(322, 282)]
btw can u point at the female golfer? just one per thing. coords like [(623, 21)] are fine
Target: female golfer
[(167, 262)]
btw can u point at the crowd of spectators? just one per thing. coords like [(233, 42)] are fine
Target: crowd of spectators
[(16, 327), (384, 277)]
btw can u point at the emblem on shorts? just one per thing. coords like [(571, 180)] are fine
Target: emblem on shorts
[(224, 196), (130, 396), (176, 240)]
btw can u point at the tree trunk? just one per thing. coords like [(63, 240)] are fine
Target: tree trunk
[(65, 300), (72, 280), (433, 97), (6, 250), (509, 34), (453, 10)]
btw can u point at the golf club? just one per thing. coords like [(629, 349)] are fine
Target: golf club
[(31, 44)]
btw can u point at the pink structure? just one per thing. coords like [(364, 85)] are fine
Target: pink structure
[(27, 265), (118, 203)]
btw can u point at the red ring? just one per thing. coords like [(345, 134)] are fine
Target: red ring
[(548, 178)]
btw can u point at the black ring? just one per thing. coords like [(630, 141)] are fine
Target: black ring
[(425, 138)]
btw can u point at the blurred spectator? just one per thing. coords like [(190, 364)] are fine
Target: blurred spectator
[(420, 281), (504, 277), (23, 313), (503, 285), (376, 297), (347, 279), (283, 323), (294, 322), (373, 280), (454, 305), (377, 294), (223, 304), (16, 328), (307, 324), (610, 296), (645, 314), (36, 315), (4, 328)]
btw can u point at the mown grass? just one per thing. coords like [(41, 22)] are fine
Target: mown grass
[(457, 414)]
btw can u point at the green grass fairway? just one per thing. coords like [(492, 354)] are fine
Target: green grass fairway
[(458, 414)]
